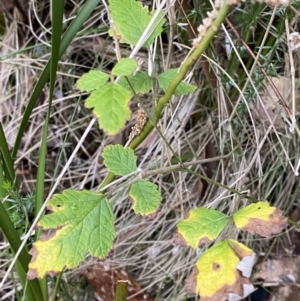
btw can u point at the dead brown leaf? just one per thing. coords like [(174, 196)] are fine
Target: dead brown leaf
[(283, 272), (271, 102), (278, 271), (104, 277), (281, 275)]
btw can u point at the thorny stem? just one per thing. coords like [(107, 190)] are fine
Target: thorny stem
[(191, 60), (191, 29), (176, 167)]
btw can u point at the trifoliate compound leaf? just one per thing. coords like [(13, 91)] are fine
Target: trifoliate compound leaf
[(119, 160), (216, 274), (92, 80), (110, 105), (145, 196), (81, 222), (141, 82), (131, 19), (260, 218), (202, 226), (124, 67), (165, 78)]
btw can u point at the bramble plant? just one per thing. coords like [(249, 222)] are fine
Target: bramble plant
[(82, 221)]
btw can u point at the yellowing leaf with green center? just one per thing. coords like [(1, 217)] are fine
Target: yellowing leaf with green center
[(119, 160), (92, 80), (202, 226), (145, 196), (260, 218), (219, 273), (131, 19), (110, 104), (124, 67), (81, 222), (141, 82), (165, 78)]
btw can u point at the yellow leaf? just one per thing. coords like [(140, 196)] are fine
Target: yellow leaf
[(219, 272)]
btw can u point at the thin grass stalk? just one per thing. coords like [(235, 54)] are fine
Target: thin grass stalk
[(56, 286)]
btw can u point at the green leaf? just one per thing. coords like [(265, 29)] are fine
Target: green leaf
[(145, 196), (141, 82), (130, 20), (202, 226), (110, 106), (165, 78), (119, 160), (124, 67), (81, 221), (92, 80), (260, 218)]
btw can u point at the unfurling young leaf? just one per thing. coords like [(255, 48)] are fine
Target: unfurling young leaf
[(110, 105), (260, 218), (81, 222), (92, 80), (145, 196), (202, 226), (119, 160), (130, 20), (165, 78), (124, 67), (222, 272)]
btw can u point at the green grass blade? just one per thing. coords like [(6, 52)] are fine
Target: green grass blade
[(57, 19), (70, 33), (8, 165), (2, 180), (57, 11)]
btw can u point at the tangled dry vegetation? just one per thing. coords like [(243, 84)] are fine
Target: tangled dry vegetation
[(251, 153)]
